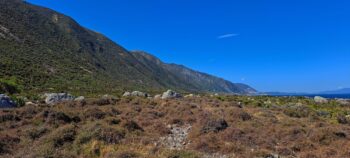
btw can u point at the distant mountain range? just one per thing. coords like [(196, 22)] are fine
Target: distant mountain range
[(47, 51), (339, 91)]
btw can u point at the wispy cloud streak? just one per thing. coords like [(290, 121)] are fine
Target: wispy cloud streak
[(227, 35)]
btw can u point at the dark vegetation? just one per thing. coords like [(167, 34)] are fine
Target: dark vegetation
[(226, 126), (47, 51)]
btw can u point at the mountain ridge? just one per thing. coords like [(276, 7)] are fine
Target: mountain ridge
[(48, 51)]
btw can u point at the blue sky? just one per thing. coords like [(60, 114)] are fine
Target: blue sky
[(272, 45)]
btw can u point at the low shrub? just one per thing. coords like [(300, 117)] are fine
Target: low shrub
[(9, 86), (214, 125), (132, 126), (101, 132), (36, 133), (94, 113), (183, 154)]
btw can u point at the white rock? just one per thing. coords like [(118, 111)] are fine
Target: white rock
[(127, 94), (189, 96), (158, 96), (319, 99), (80, 98), (30, 104)]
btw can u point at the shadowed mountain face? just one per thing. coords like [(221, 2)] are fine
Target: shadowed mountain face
[(197, 80), (47, 51)]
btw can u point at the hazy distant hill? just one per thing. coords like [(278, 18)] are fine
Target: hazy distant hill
[(339, 91), (48, 51)]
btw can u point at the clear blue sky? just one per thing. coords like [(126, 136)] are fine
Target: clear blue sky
[(272, 45)]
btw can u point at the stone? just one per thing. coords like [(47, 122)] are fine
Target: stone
[(171, 95), (79, 99), (30, 104), (158, 96), (54, 98), (109, 97), (189, 96), (320, 100), (127, 94), (6, 102)]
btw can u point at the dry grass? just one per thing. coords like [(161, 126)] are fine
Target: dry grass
[(132, 127)]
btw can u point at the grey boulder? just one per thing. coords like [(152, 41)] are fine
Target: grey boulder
[(171, 95), (54, 98), (6, 102)]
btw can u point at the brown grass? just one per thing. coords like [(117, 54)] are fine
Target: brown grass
[(132, 127)]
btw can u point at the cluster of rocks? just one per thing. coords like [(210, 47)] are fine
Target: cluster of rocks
[(6, 102), (136, 94), (343, 101), (321, 100), (177, 139), (169, 94)]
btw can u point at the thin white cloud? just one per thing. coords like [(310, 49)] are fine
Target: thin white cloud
[(228, 35)]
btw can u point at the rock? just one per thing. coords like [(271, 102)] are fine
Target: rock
[(6, 102), (343, 101), (79, 99), (189, 96), (158, 96), (109, 97), (54, 98), (272, 156), (127, 94), (170, 95), (214, 125), (139, 94), (30, 104), (320, 100)]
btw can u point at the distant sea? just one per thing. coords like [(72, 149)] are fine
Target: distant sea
[(330, 96)]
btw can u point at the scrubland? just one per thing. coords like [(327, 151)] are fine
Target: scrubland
[(195, 127)]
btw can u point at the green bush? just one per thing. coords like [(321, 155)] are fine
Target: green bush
[(18, 100), (183, 154), (9, 86)]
